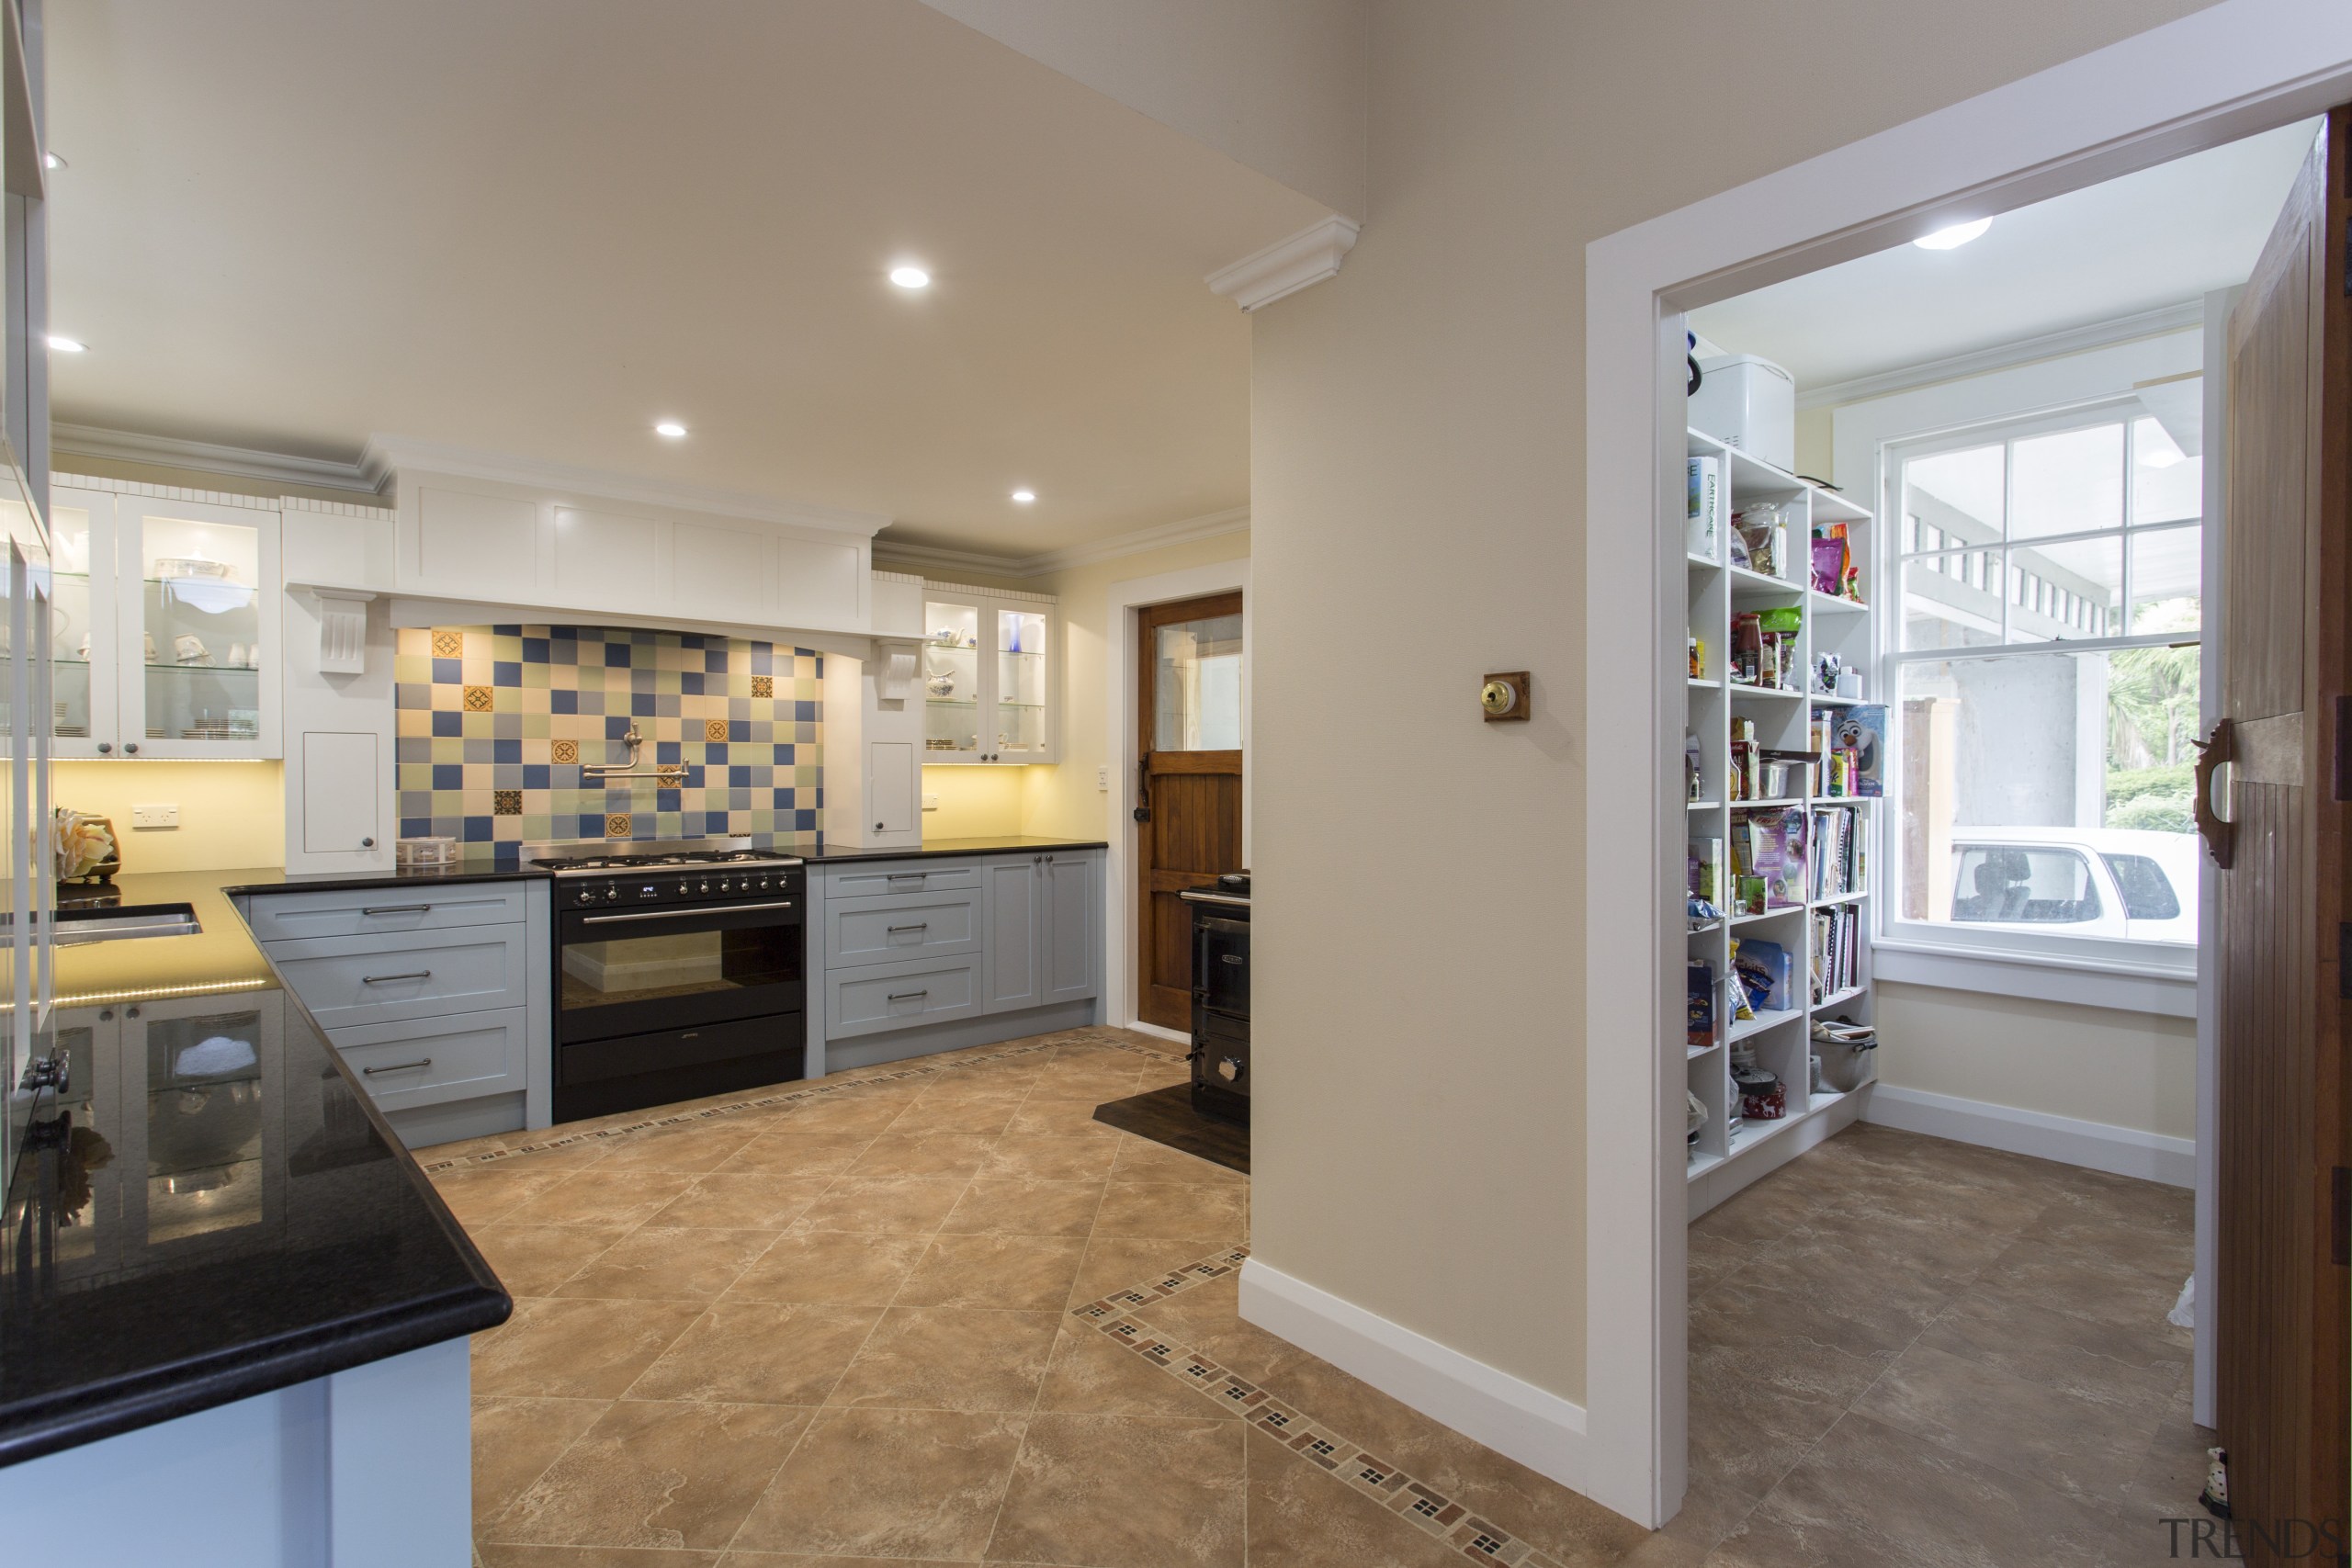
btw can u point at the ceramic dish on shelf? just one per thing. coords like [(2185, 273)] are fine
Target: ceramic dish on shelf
[(174, 568)]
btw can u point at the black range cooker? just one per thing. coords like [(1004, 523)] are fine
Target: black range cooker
[(1220, 1054), (680, 972)]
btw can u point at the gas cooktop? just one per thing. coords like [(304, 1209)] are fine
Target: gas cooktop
[(579, 860)]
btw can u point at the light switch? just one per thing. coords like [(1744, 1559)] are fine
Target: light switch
[(930, 803), (166, 816)]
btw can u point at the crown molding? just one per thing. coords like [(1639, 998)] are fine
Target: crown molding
[(206, 457), (934, 559), (391, 453), (2182, 317), (1287, 266)]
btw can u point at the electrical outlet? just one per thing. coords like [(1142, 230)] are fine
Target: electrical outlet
[(930, 803), (166, 816), (1102, 776)]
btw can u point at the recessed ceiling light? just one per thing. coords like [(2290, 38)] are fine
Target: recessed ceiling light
[(671, 429), (909, 276), (1951, 239), (52, 160), (1025, 496), (65, 345)]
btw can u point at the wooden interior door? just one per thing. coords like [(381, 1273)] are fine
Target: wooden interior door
[(1189, 787), (2280, 1327)]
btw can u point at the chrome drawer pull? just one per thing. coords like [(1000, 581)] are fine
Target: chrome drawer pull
[(387, 979), (404, 1066), (904, 875), (906, 996), (396, 909), (924, 926)]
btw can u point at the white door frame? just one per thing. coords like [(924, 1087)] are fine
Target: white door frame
[(1126, 599), (2227, 71)]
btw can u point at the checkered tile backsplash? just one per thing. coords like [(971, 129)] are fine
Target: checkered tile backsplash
[(495, 723)]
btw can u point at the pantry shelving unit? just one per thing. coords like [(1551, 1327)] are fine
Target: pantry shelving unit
[(1727, 1158)]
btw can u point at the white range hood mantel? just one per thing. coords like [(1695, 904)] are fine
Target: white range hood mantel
[(476, 537)]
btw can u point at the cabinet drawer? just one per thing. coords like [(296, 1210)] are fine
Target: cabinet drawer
[(876, 998), (347, 980), (428, 1061), (905, 925), (900, 879), (287, 917)]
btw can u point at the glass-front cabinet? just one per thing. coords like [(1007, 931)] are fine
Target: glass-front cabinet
[(166, 626), (990, 676)]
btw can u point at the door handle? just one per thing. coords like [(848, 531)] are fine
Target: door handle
[(396, 1067), (396, 909), (2216, 808), (1143, 790), (905, 996), (923, 925), (387, 979)]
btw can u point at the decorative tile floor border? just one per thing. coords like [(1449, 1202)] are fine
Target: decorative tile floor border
[(1432, 1510), (818, 1091)]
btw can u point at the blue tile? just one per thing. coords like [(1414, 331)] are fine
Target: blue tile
[(644, 638), (714, 661), (714, 753), (476, 830), (690, 682), (692, 640), (539, 650), (804, 713), (448, 775), (641, 702), (507, 750), (450, 723), (617, 655), (502, 674), (416, 827), (764, 658), (562, 701), (666, 800), (537, 775), (783, 801), (506, 853), (739, 778), (804, 821), (667, 752), (616, 726), (588, 826), (506, 631), (820, 795), (819, 670), (448, 671)]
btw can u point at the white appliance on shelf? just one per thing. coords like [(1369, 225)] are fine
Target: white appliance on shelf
[(1749, 402)]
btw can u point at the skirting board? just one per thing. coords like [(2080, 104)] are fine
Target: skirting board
[(2123, 1151), (1140, 1027), (1515, 1418)]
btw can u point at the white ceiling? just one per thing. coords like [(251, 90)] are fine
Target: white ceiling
[(2148, 240), (536, 226)]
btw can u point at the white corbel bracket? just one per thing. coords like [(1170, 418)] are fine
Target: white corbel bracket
[(343, 631), (1284, 267), (895, 664)]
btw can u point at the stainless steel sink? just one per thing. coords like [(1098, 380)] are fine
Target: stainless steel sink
[(77, 927)]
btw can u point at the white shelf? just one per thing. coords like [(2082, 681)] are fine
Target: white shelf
[(1692, 1052), (1782, 693), (1824, 700), (1705, 805), (1710, 685), (1840, 998), (1778, 803), (1746, 581), (1834, 899), (1702, 1162), (1768, 915), (1694, 559), (1835, 603), (1765, 1017), (1754, 1134)]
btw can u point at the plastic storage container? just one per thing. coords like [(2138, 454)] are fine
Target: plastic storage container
[(1749, 402)]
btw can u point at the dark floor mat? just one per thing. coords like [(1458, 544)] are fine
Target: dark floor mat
[(1166, 1116)]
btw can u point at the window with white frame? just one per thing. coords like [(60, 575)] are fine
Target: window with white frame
[(2042, 677)]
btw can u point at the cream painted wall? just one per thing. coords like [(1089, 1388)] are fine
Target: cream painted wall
[(1416, 462), (2124, 1069), (973, 802), (232, 814)]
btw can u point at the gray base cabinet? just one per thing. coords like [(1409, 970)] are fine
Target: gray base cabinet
[(911, 947)]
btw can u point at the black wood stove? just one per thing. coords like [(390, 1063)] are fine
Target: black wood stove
[(1220, 1054)]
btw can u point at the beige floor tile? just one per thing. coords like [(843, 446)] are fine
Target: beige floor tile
[(742, 1201), (869, 1110), (890, 1483), (951, 1114), (951, 1359), (758, 1353), (2133, 1369), (1029, 1157), (838, 1267), (1029, 1273), (1211, 1214), (1026, 1208), (1140, 1492), (1091, 1375), (497, 1555), (652, 1264), (1301, 1517), (689, 1149), (657, 1474), (922, 1153), (2065, 1279), (484, 1195), (1143, 1160), (2082, 1447), (595, 1196), (793, 1149), (1059, 1119), (514, 1440), (896, 1205), (1116, 1262), (532, 1260), (575, 1350), (1871, 1495)]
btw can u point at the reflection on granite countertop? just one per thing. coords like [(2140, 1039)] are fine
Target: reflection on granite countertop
[(219, 1212)]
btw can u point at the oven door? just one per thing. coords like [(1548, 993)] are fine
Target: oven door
[(639, 971)]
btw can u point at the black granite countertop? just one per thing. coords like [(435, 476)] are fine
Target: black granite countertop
[(1014, 843), (219, 1212)]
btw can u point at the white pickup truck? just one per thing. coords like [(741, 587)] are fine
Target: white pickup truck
[(2117, 882)]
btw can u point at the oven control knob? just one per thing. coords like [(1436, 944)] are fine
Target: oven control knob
[(611, 893), (725, 886), (704, 889), (764, 884), (587, 896)]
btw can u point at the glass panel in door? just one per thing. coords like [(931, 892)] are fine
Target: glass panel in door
[(1020, 684), (951, 680), (1197, 689), (81, 630), (201, 620)]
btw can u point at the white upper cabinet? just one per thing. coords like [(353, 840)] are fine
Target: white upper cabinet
[(166, 627), (991, 676)]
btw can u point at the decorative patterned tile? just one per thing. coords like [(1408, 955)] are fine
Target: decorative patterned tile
[(507, 803), (763, 685), (714, 729), (616, 824), (448, 643), (478, 699)]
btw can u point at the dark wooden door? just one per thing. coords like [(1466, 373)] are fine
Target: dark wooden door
[(1188, 699), (2280, 1322)]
